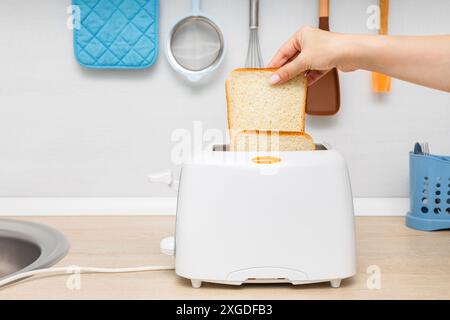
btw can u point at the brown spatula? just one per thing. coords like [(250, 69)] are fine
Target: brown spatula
[(323, 96), (380, 82)]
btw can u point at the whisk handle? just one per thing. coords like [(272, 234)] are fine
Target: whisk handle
[(195, 4), (254, 13)]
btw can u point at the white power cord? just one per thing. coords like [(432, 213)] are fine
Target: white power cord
[(74, 269)]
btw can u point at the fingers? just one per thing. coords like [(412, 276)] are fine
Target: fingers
[(290, 70), (314, 75), (285, 53)]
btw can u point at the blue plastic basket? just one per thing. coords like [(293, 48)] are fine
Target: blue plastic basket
[(429, 192)]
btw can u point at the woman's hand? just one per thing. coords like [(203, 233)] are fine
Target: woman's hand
[(424, 60), (310, 50)]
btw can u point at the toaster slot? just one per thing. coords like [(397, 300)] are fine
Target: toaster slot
[(226, 147)]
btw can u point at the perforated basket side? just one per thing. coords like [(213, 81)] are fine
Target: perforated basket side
[(429, 192)]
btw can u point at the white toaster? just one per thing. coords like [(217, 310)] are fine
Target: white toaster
[(247, 217)]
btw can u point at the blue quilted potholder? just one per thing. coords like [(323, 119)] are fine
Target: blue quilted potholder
[(116, 34)]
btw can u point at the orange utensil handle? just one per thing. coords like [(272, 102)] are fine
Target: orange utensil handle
[(324, 13), (384, 16), (380, 82), (324, 8)]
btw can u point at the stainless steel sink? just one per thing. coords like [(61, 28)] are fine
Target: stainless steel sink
[(26, 246)]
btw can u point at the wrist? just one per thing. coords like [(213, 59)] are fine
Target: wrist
[(349, 51), (363, 51)]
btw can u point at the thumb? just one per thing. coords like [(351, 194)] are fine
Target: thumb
[(314, 75), (290, 70)]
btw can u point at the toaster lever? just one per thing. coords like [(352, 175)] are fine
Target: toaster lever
[(165, 177)]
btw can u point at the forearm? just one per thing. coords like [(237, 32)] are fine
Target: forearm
[(424, 60)]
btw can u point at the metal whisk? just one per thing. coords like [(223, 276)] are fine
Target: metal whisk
[(254, 58), (425, 149)]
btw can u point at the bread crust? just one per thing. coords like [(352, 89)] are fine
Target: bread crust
[(228, 104)]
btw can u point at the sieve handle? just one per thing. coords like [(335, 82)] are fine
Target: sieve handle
[(254, 14), (195, 6)]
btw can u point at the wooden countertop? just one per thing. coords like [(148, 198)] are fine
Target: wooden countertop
[(414, 265)]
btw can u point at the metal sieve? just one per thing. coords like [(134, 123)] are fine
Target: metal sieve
[(195, 45)]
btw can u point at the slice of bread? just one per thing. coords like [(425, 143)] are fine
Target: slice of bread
[(270, 141), (254, 104)]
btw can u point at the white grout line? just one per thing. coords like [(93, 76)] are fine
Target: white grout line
[(156, 206)]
